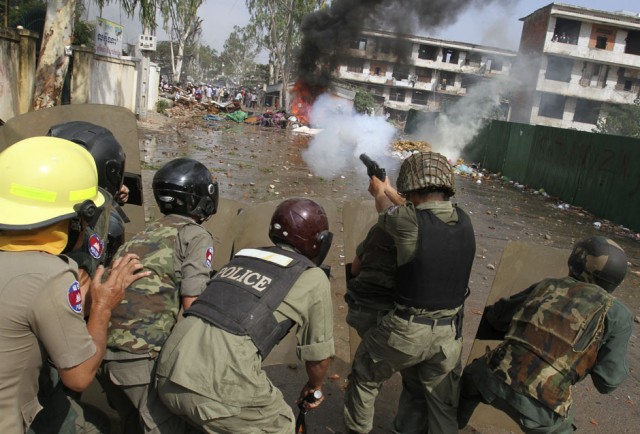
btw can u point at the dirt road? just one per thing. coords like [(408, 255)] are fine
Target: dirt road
[(257, 164)]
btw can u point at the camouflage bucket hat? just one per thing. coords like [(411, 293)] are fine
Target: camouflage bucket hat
[(426, 169), (598, 260)]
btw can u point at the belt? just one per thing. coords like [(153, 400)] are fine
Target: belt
[(425, 320)]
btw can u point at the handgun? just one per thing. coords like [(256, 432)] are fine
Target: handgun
[(373, 169)]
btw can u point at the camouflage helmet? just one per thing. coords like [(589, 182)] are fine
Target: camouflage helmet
[(426, 170), (598, 260)]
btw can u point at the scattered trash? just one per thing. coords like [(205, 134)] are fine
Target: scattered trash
[(597, 225)]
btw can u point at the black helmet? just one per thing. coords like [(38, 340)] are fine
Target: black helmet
[(184, 186), (102, 145), (598, 260), (302, 224)]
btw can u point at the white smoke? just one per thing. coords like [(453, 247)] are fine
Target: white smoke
[(344, 136)]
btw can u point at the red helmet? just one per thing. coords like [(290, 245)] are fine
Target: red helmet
[(302, 224)]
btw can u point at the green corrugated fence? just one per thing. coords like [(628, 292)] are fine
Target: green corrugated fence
[(598, 172)]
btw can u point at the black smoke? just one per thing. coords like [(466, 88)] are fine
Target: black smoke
[(328, 32)]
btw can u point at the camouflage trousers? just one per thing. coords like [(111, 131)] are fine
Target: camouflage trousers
[(130, 389), (428, 356), (216, 417), (479, 385)]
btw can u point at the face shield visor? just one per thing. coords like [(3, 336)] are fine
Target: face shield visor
[(92, 224)]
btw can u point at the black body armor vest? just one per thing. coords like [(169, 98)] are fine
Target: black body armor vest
[(242, 297), (438, 275)]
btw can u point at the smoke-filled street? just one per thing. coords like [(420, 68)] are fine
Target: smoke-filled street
[(257, 164)]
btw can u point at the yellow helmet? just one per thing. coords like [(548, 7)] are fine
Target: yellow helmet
[(42, 180)]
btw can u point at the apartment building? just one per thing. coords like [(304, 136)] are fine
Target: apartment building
[(406, 72), (573, 62)]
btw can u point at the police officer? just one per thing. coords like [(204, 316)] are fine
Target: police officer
[(63, 412), (210, 367), (558, 331), (110, 161), (179, 252), (369, 293), (48, 195), (421, 337)]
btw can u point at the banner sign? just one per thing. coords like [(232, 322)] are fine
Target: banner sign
[(108, 38)]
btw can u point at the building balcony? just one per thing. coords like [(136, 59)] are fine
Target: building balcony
[(573, 89), (592, 54)]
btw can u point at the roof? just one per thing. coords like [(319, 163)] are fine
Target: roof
[(588, 14), (439, 42)]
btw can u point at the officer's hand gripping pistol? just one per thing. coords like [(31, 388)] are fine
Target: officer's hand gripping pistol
[(373, 169)]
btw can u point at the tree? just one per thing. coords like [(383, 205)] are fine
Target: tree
[(622, 120), (278, 23), (363, 101), (53, 61), (238, 53), (183, 25)]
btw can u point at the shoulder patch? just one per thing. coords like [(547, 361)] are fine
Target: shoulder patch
[(208, 257), (96, 246), (392, 210), (74, 297)]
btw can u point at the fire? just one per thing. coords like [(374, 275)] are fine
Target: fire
[(302, 99)]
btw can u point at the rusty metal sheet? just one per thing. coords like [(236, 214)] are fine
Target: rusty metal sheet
[(357, 218), (521, 265)]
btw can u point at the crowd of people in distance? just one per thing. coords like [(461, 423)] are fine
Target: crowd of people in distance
[(244, 96)]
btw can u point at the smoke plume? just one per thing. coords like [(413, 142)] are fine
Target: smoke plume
[(344, 136), (326, 33)]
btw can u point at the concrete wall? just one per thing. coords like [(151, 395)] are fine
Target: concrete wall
[(17, 64), (94, 80)]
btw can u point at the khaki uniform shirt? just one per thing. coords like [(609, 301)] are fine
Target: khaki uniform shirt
[(40, 317), (227, 368)]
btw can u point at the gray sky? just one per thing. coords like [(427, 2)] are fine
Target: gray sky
[(494, 25)]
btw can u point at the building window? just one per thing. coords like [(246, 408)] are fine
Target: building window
[(473, 59), (468, 81), (378, 69), (400, 72), (355, 65), (359, 44), (602, 37), (632, 43), (428, 52), (551, 105), (496, 63), (587, 111), (566, 31), (396, 94), (450, 55), (559, 69), (384, 45), (420, 97), (447, 78), (424, 75)]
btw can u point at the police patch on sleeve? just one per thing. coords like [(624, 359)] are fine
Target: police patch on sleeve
[(208, 257), (96, 246), (74, 297)]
